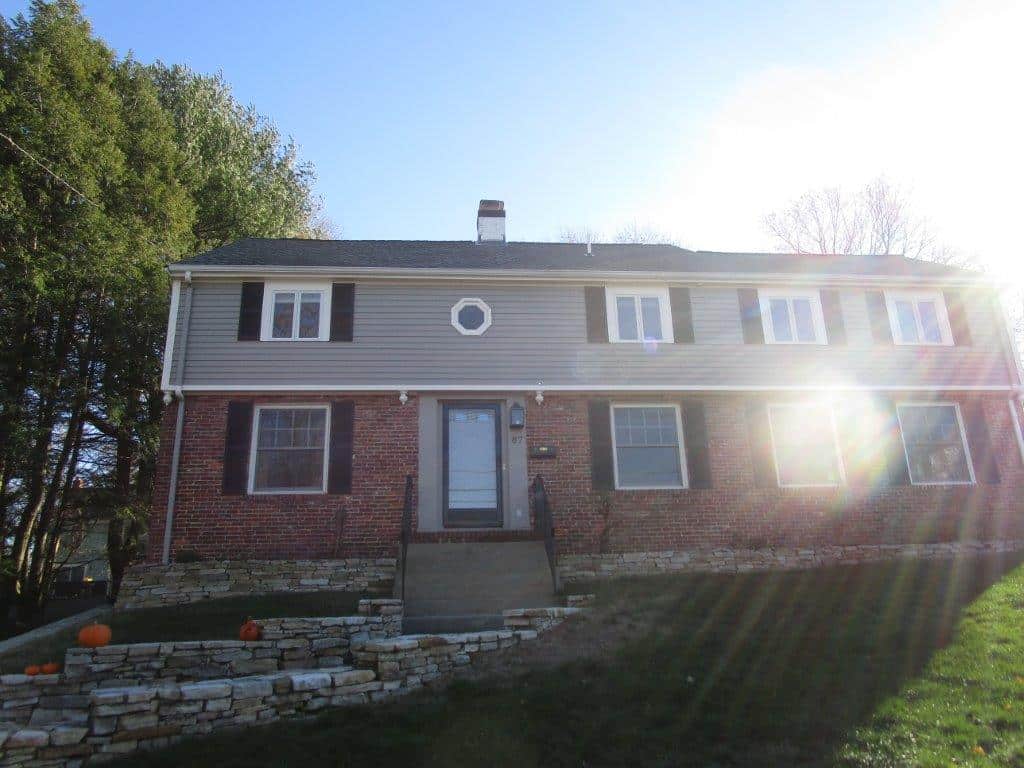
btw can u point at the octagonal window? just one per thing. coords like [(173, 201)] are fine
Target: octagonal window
[(471, 317)]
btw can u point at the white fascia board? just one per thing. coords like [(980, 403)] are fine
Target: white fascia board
[(172, 327), (335, 387), (570, 275)]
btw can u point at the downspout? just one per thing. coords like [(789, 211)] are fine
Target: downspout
[(179, 422)]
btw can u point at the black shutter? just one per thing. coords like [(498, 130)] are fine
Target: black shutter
[(343, 296), (835, 328), (250, 313), (983, 457), (597, 314), (761, 445), (750, 315), (237, 443), (897, 471), (601, 467), (339, 472), (878, 313), (957, 318), (695, 437), (682, 315)]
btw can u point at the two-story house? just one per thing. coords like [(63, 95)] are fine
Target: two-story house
[(676, 403)]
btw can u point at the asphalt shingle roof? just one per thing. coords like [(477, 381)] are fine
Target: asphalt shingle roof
[(605, 257)]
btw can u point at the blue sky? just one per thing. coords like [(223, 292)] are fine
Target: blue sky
[(694, 118)]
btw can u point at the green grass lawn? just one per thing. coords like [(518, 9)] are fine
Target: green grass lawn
[(209, 620), (833, 666)]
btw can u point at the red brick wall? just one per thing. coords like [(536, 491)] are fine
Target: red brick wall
[(363, 524), (736, 513)]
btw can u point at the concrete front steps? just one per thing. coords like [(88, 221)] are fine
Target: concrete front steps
[(465, 587)]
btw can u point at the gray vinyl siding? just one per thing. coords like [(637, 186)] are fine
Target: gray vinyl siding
[(403, 337)]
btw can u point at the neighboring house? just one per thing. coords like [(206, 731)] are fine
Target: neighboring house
[(82, 555), (672, 400)]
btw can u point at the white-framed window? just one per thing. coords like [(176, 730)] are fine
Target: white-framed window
[(296, 312), (471, 317), (918, 317), (289, 449), (792, 316), (638, 314), (935, 443), (647, 445), (805, 444)]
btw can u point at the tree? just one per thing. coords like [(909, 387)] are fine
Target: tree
[(631, 233), (108, 171), (877, 219)]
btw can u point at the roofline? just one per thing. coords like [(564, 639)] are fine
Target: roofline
[(562, 275)]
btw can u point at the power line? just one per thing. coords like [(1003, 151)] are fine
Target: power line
[(46, 168)]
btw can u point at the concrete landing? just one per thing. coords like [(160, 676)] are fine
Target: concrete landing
[(465, 587)]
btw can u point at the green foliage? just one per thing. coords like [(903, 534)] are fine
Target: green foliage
[(108, 171)]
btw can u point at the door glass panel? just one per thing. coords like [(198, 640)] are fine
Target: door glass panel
[(472, 459)]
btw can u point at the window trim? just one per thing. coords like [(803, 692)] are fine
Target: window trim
[(660, 292), (461, 304), (915, 295), (681, 447), (963, 440), (253, 491), (764, 297), (267, 316)]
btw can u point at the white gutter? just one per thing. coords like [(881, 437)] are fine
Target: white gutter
[(172, 487), (172, 327), (573, 275), (522, 387)]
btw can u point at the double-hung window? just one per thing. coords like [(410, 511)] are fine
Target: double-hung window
[(639, 314), (792, 317), (933, 437), (289, 449), (918, 317), (805, 445), (648, 446), (296, 313)]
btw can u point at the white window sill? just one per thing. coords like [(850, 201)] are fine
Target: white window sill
[(652, 488), (940, 482), (287, 492)]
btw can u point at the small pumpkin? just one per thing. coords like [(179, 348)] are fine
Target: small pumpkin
[(50, 668), (250, 631), (32, 670), (94, 635)]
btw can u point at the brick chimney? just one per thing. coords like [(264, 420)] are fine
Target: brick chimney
[(490, 222)]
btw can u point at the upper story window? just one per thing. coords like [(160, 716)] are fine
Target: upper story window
[(918, 317), (792, 317), (289, 450), (805, 444), (471, 317), (647, 446), (293, 312), (639, 314), (933, 438)]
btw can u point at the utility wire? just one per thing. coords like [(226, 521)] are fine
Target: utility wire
[(46, 168)]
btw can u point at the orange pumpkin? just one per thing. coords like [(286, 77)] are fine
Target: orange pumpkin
[(250, 631), (50, 668), (32, 670), (94, 636)]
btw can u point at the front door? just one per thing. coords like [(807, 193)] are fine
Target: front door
[(472, 465)]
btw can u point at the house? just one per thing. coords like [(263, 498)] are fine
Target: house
[(84, 568), (683, 408)]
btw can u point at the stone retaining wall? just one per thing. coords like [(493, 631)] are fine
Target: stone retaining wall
[(65, 723), (288, 643), (130, 719), (724, 560), (152, 586), (538, 619)]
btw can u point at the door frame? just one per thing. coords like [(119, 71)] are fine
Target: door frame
[(499, 511)]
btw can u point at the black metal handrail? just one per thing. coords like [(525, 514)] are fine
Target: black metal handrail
[(406, 536), (544, 524)]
